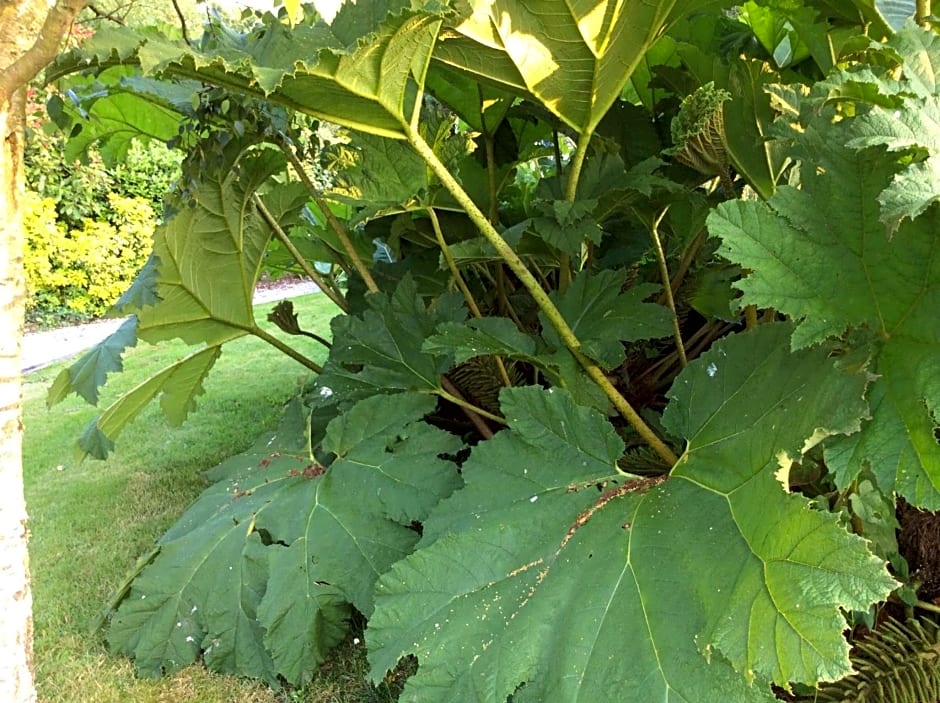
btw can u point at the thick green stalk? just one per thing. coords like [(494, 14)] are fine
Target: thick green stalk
[(922, 13), (667, 287), (541, 298), (577, 163), (290, 351), (571, 194), (335, 224), (328, 290)]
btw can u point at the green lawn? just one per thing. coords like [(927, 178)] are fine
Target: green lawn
[(90, 520)]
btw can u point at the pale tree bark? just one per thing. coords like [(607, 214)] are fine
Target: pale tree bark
[(31, 32)]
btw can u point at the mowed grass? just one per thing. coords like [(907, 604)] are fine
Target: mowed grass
[(90, 520)]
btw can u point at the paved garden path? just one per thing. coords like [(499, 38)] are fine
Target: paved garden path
[(49, 346)]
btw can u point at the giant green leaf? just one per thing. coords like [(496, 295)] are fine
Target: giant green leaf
[(258, 575), (119, 120), (603, 318), (572, 581), (904, 116), (209, 257), (913, 127), (574, 57), (178, 385), (365, 70), (198, 287), (820, 255)]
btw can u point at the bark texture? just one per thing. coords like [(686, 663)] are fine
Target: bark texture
[(30, 34)]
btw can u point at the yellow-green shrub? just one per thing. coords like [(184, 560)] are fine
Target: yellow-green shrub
[(84, 270)]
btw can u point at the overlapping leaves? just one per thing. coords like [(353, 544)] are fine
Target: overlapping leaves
[(259, 574), (380, 350), (822, 255), (575, 58), (576, 582), (365, 70), (603, 317)]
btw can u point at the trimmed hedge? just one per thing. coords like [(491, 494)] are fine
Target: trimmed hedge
[(81, 271)]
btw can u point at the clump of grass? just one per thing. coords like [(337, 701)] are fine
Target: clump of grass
[(91, 520)]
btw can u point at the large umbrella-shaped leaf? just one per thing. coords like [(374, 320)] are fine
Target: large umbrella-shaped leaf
[(366, 70), (259, 574), (197, 286), (574, 57), (552, 577)]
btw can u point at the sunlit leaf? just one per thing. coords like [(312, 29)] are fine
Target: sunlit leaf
[(575, 58)]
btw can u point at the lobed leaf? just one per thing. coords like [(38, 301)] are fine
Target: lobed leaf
[(90, 372), (259, 574), (497, 336), (381, 349), (177, 386), (119, 119), (881, 297), (603, 318), (197, 286), (574, 58), (575, 582)]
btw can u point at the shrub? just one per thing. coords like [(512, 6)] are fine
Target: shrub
[(80, 272), (80, 188)]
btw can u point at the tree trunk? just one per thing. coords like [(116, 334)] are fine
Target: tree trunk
[(30, 34)]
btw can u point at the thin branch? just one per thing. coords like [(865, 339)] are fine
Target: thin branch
[(559, 170), (473, 416), (467, 295), (923, 605), (460, 402), (44, 49), (110, 16), (290, 351), (490, 161), (328, 290), (687, 259), (179, 13), (316, 338), (750, 317), (667, 287), (452, 264)]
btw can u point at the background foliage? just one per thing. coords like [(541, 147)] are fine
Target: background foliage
[(634, 351), (89, 225), (83, 270)]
